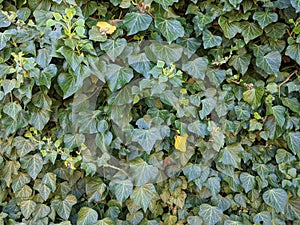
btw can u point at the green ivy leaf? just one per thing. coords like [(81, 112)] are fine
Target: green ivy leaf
[(167, 53), (296, 5), (276, 198), (114, 48), (213, 185), (208, 105), (231, 155), (147, 138), (63, 208), (19, 181), (278, 112), (142, 172), (122, 189), (135, 22), (166, 3), (8, 85), (235, 3), (270, 63), (140, 63), (250, 31), (263, 216), (12, 109), (72, 58), (49, 180), (39, 118), (44, 57), (118, 76), (293, 208), (95, 189), (87, 216), (143, 195), (210, 214), (171, 29), (10, 168), (194, 220), (292, 103), (248, 181), (192, 171), (23, 146), (43, 189), (96, 35), (210, 40), (105, 221), (230, 29), (265, 18), (44, 77), (293, 51), (200, 22), (34, 165), (67, 82), (4, 38), (196, 68), (240, 62), (293, 140), (190, 45), (27, 208), (253, 97)]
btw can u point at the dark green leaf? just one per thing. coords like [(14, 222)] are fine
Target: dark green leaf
[(63, 208), (250, 31), (34, 165), (240, 62), (67, 82), (166, 3), (118, 76), (135, 22), (265, 18), (143, 195), (71, 57), (230, 29), (270, 63), (253, 97), (293, 51), (114, 48), (279, 114), (293, 140), (210, 40), (196, 68), (167, 53), (210, 214)]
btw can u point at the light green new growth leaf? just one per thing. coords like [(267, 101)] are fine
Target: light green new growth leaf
[(279, 114), (171, 29), (143, 195), (276, 198), (265, 18), (296, 5), (122, 189), (167, 53), (240, 62), (250, 31), (166, 3), (248, 181), (210, 214), (87, 216), (293, 51), (27, 208), (210, 40), (196, 68), (253, 97), (135, 22), (270, 63)]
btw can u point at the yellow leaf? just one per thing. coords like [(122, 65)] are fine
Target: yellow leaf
[(106, 28), (180, 142)]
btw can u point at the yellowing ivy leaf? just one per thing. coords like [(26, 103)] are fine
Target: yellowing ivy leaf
[(106, 28), (180, 142)]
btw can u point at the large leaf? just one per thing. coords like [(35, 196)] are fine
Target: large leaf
[(293, 51), (63, 207), (27, 208), (121, 188), (12, 109), (117, 76), (114, 48), (39, 118), (265, 18), (190, 45), (253, 97), (140, 63), (67, 83), (87, 216), (270, 63), (192, 172), (250, 31), (292, 103), (196, 68), (230, 29), (171, 29), (240, 62), (34, 165), (167, 53), (210, 214), (296, 5), (293, 140), (279, 114), (248, 181), (200, 22), (135, 22), (143, 195), (231, 155), (210, 40), (276, 198), (147, 138), (44, 57), (142, 172), (166, 3)]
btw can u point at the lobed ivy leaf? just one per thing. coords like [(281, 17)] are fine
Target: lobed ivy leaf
[(210, 40), (167, 53), (73, 59), (136, 22), (68, 83), (143, 195), (253, 97), (196, 68), (293, 51), (122, 189), (231, 155), (230, 29), (166, 3), (240, 62), (276, 198), (279, 114), (142, 172), (34, 165), (63, 207), (171, 29), (147, 138), (248, 181), (201, 21), (250, 31), (263, 216), (117, 76), (87, 216), (114, 48), (270, 62), (12, 109), (292, 103), (27, 208), (210, 214), (293, 140), (265, 18)]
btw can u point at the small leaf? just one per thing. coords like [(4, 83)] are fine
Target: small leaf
[(293, 140), (253, 97), (147, 138), (87, 216), (230, 29), (210, 214), (171, 29), (231, 155), (135, 22), (292, 103), (4, 38), (276, 198), (278, 112), (96, 35), (210, 40), (67, 83), (180, 142), (265, 18), (143, 195), (270, 63)]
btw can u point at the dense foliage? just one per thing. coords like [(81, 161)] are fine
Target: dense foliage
[(154, 112)]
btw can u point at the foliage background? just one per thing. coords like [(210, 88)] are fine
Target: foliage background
[(67, 157)]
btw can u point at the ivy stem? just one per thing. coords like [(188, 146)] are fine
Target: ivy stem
[(286, 80), (116, 168)]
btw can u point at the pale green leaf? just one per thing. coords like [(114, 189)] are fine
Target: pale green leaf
[(142, 172), (122, 189), (250, 31), (12, 109), (34, 165), (265, 18), (4, 38), (263, 216), (140, 63), (296, 5), (293, 140), (167, 53), (146, 138), (276, 198), (210, 214), (135, 22), (171, 29), (253, 97), (196, 68), (27, 208), (231, 155), (118, 76), (248, 181), (87, 216), (210, 40), (279, 114), (96, 35), (63, 208), (114, 48), (270, 62), (143, 195), (292, 103)]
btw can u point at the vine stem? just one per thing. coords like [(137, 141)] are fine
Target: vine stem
[(286, 80), (116, 168)]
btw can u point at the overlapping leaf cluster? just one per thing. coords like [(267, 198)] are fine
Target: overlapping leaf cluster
[(88, 117)]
